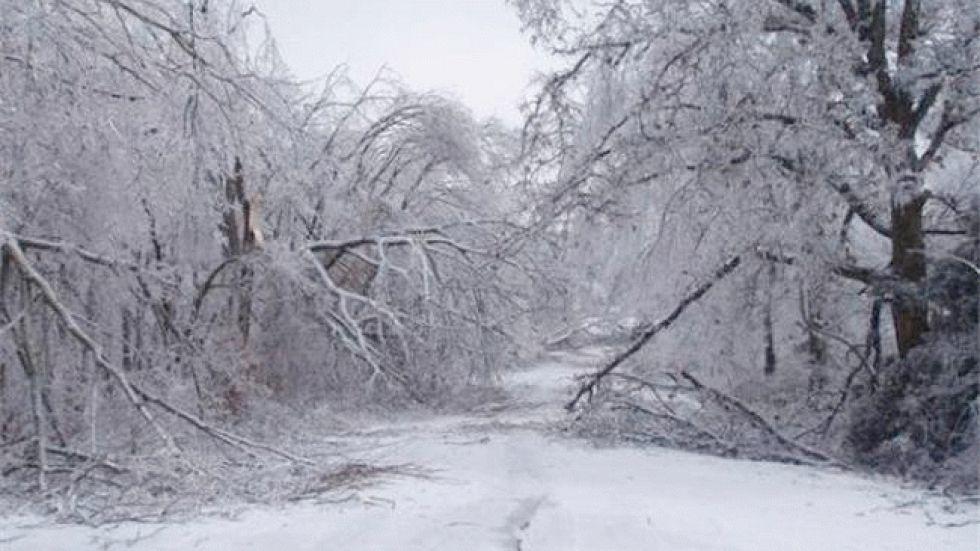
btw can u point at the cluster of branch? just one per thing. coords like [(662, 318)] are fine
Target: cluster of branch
[(705, 427), (140, 398), (757, 420)]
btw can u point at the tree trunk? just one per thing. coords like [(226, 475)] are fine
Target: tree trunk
[(770, 339), (22, 338), (910, 311), (240, 225)]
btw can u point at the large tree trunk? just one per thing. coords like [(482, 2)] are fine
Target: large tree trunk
[(910, 310)]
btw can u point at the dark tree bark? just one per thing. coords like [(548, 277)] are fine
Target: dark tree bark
[(910, 309), (904, 113), (770, 344)]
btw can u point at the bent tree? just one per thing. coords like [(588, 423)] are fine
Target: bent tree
[(188, 236)]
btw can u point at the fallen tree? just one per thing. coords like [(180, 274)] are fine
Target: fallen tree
[(592, 383)]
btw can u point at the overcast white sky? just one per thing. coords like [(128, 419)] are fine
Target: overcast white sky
[(470, 49)]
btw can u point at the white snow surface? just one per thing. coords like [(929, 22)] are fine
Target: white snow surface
[(500, 482)]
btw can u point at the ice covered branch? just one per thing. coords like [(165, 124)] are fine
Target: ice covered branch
[(592, 384)]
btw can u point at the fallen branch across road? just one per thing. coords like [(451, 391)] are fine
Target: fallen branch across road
[(590, 386), (759, 421)]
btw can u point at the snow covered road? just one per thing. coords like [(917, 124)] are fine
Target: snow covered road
[(498, 482)]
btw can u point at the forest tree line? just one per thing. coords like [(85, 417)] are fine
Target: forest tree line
[(195, 243)]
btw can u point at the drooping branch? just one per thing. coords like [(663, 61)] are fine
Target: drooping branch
[(346, 326), (404, 238), (868, 276), (666, 413), (138, 397), (947, 122), (857, 205), (116, 95), (234, 440), (36, 279), (85, 254), (209, 283), (590, 386), (861, 209)]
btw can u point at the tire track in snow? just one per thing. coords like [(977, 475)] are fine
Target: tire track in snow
[(520, 520)]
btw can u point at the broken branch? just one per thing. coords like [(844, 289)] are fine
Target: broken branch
[(593, 382), (759, 421)]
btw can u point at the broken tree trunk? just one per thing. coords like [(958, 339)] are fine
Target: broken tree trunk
[(590, 386), (240, 225)]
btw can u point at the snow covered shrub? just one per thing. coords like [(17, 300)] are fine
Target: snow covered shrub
[(920, 416)]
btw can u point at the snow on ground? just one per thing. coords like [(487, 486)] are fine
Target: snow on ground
[(498, 482)]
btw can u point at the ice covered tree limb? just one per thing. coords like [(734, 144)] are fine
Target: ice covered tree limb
[(26, 243), (759, 421), (36, 279), (137, 396), (592, 384)]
